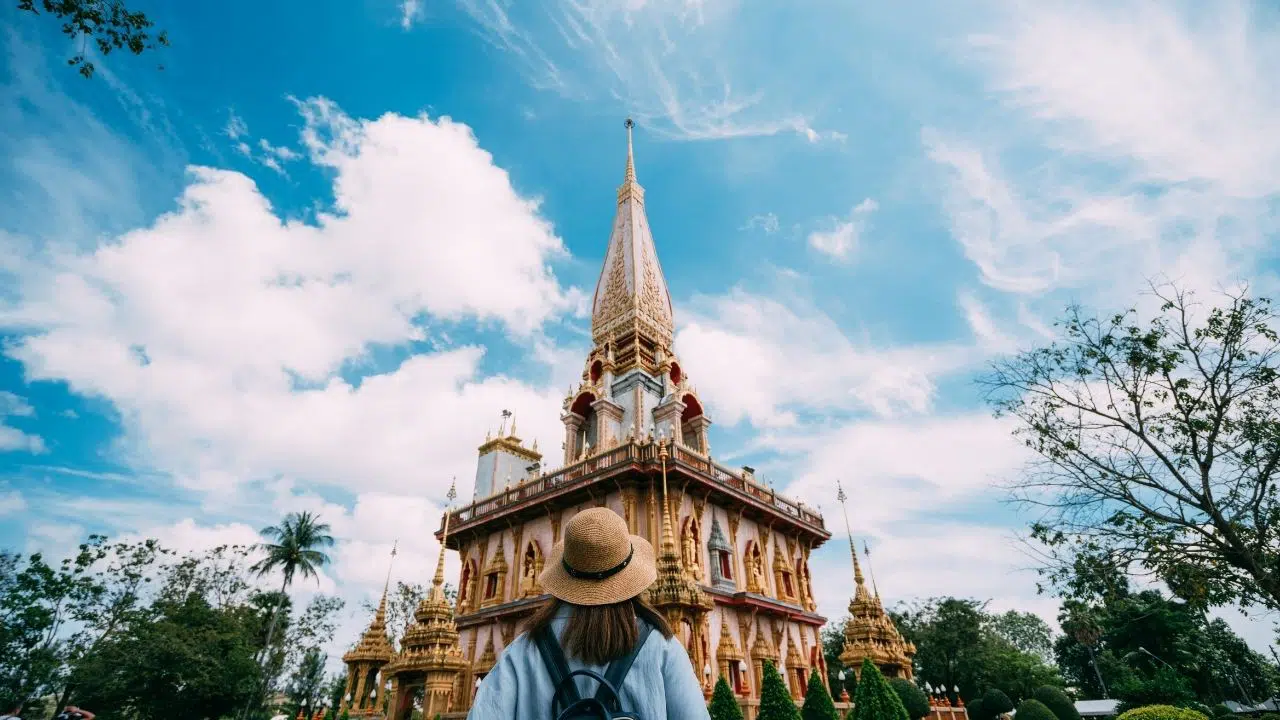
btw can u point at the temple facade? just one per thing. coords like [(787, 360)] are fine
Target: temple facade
[(733, 555)]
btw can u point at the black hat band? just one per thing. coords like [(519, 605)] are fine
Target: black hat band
[(599, 575)]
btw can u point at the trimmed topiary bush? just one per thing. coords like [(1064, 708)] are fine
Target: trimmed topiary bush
[(995, 703), (775, 699), (1057, 702), (1161, 712), (817, 701), (876, 700), (724, 706), (912, 697), (1032, 709), (976, 710)]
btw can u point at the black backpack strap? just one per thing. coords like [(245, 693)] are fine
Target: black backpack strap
[(553, 657), (618, 669)]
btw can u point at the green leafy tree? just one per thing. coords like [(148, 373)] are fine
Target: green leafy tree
[(832, 646), (106, 24), (976, 710), (912, 697), (817, 701), (1025, 632), (876, 700), (178, 656), (402, 600), (306, 685), (1220, 711), (775, 699), (1156, 444), (724, 706), (1032, 709), (1163, 687), (1057, 702)]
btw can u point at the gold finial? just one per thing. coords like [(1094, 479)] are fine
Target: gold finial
[(668, 540), (438, 581), (867, 551), (387, 584), (853, 550), (630, 176)]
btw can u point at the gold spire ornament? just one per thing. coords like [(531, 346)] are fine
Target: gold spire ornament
[(870, 632), (429, 654)]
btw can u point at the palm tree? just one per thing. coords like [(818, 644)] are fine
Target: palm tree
[(294, 549)]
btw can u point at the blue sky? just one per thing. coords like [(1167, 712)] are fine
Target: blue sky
[(307, 263)]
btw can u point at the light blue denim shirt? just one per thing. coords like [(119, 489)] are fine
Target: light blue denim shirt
[(661, 685)]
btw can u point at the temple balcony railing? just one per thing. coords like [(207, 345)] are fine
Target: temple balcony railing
[(643, 455)]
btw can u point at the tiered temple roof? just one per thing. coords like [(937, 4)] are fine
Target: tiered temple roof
[(870, 633)]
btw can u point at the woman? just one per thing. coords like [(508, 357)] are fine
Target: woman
[(596, 617)]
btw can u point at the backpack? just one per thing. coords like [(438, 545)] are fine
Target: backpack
[(566, 702)]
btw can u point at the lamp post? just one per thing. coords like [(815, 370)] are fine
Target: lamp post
[(844, 691), (742, 676), (706, 684)]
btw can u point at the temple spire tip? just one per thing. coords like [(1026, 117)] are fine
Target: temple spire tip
[(630, 176)]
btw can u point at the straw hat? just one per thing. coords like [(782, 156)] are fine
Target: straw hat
[(598, 562)]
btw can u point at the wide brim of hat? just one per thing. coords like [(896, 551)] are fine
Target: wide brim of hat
[(629, 582)]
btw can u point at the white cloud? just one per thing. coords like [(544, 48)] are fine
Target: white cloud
[(411, 11), (676, 66), (1134, 142), (755, 358), (12, 502), (768, 223), (11, 438), (262, 151), (219, 331), (904, 468), (842, 238)]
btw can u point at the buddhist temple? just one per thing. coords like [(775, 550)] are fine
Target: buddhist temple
[(733, 555), (870, 632)]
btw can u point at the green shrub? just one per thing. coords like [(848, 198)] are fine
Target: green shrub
[(995, 703), (1164, 687), (775, 699), (1220, 710), (976, 710), (1202, 709), (1057, 702), (817, 701), (912, 697), (1032, 709), (1161, 712), (724, 706), (876, 700)]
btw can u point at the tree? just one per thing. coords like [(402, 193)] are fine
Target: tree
[(402, 600), (108, 24), (912, 697), (1032, 709), (724, 706), (1026, 632), (775, 699), (306, 686), (295, 549), (832, 646), (817, 701), (1057, 702), (1157, 444), (178, 656), (875, 699), (1163, 687)]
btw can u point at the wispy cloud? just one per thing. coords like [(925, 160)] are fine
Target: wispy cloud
[(676, 66), (411, 11), (262, 151), (11, 438), (842, 235)]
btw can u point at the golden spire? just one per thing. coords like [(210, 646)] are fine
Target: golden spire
[(438, 582), (867, 551), (629, 177), (668, 539), (386, 585), (853, 550)]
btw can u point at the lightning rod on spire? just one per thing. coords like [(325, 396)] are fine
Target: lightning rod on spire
[(853, 550)]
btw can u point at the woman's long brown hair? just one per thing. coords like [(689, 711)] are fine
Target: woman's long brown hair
[(596, 634)]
